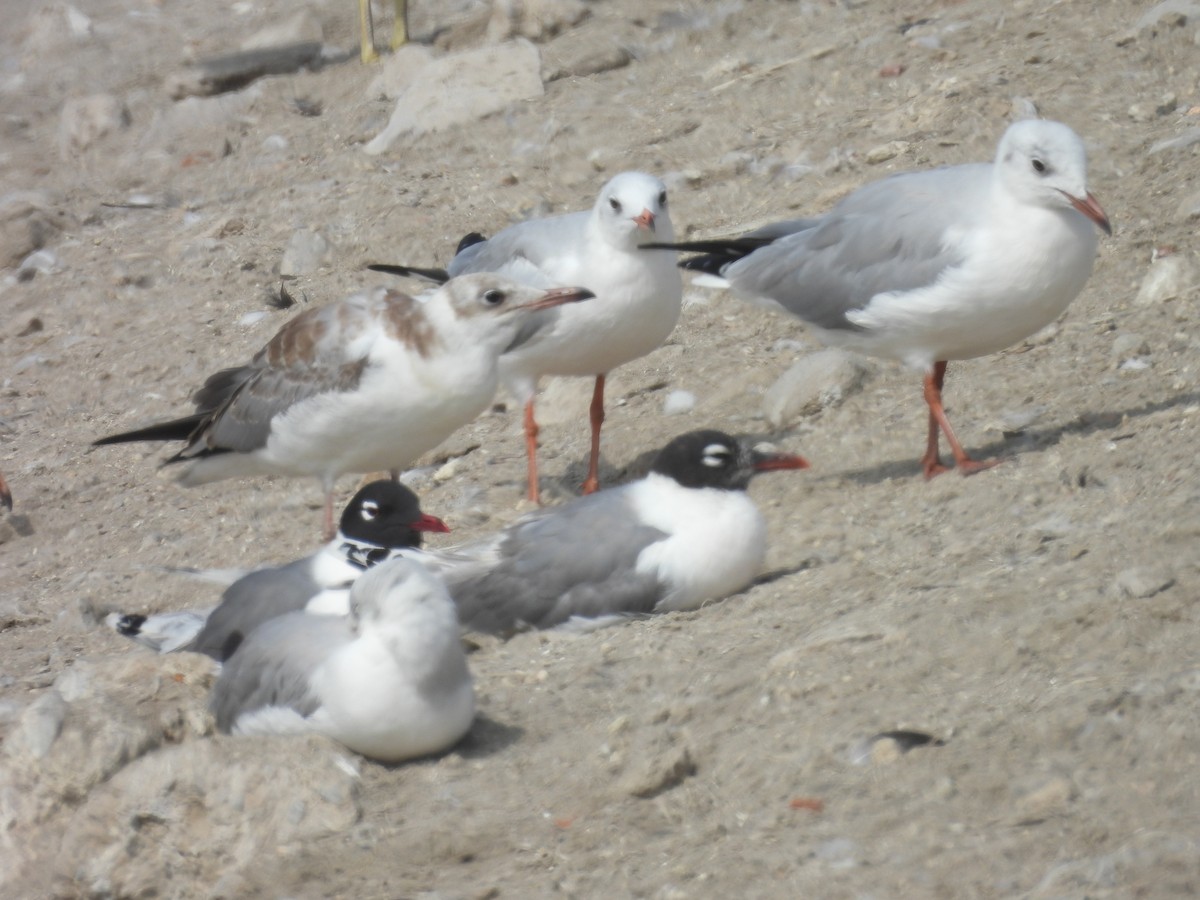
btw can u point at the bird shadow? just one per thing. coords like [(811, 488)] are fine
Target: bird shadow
[(1030, 440), (487, 737)]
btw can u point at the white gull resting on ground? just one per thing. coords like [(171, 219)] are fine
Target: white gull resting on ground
[(927, 267), (383, 520), (389, 681), (365, 384), (638, 293), (684, 535)]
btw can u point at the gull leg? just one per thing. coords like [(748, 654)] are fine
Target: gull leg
[(591, 484), (934, 380), (531, 436), (400, 24), (5, 494), (366, 31)]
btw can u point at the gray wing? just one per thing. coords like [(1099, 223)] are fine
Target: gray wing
[(896, 234), (528, 251), (309, 355), (249, 602), (578, 560), (274, 665)]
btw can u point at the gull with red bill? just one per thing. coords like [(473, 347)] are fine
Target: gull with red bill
[(638, 294), (685, 535), (928, 267), (365, 384)]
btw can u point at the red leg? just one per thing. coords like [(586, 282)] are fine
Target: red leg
[(934, 380), (591, 484), (531, 436)]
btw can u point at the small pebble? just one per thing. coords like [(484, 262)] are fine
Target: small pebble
[(679, 402), (1141, 582)]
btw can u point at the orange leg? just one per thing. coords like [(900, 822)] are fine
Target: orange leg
[(591, 484), (531, 436), (931, 462)]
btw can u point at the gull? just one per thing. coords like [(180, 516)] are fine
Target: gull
[(365, 384), (639, 294), (928, 267), (381, 521), (389, 681), (686, 534)]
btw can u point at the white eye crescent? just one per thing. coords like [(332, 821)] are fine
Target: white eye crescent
[(716, 455), (370, 510)]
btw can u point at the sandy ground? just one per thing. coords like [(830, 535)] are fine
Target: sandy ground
[(1038, 619)]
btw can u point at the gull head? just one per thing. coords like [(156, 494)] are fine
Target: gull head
[(632, 210), (1044, 163), (401, 591), (501, 312)]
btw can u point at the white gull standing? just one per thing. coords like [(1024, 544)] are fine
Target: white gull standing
[(686, 534), (389, 681), (928, 267), (364, 384), (381, 521), (638, 294)]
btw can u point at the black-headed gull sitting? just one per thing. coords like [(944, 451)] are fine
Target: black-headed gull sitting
[(686, 534), (365, 384), (639, 293), (928, 267), (383, 520), (389, 681)]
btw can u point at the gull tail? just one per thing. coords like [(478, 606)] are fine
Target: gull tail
[(163, 632)]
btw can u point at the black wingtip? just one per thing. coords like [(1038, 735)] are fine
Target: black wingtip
[(469, 240), (175, 430), (437, 276)]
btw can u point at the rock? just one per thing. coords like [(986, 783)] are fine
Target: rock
[(1128, 345), (39, 262), (51, 29), (816, 382), (300, 27), (461, 87), (887, 151), (588, 60), (1183, 141), (677, 403), (1189, 208), (95, 719), (85, 120), (1168, 10), (1141, 582), (306, 252), (536, 20), (28, 222), (1049, 799), (663, 763), (203, 811), (1169, 278)]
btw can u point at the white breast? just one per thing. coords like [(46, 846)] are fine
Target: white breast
[(716, 546)]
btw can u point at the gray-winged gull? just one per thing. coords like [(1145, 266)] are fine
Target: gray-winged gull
[(927, 267), (389, 681)]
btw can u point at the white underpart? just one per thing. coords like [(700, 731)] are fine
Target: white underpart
[(716, 543), (1024, 265)]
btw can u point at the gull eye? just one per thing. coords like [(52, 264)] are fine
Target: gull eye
[(1038, 166), (615, 204), (662, 199), (369, 511), (494, 297), (716, 456)]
